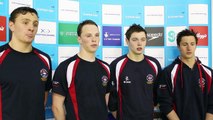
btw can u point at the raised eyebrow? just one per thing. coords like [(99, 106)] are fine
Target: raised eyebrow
[(26, 19)]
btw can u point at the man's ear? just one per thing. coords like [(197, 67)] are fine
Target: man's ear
[(11, 26), (127, 41), (79, 40)]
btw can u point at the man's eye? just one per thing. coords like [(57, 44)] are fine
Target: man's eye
[(25, 23), (35, 25)]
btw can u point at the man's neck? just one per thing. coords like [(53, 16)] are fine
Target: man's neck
[(87, 56), (20, 47), (135, 58), (189, 62)]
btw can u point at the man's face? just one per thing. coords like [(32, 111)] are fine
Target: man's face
[(89, 38), (137, 43), (187, 47), (24, 28)]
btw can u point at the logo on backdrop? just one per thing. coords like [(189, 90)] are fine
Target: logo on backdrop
[(155, 36), (111, 36), (2, 28), (202, 34), (67, 33), (47, 9), (176, 14), (46, 33), (44, 30), (67, 13), (171, 36), (106, 34)]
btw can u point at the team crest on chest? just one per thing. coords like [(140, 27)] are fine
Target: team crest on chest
[(104, 80), (149, 79), (44, 74), (201, 83)]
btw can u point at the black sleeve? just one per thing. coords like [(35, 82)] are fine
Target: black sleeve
[(156, 84), (210, 97), (113, 98), (109, 84), (164, 92), (59, 80), (48, 84)]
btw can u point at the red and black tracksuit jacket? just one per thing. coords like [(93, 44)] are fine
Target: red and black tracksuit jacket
[(189, 92)]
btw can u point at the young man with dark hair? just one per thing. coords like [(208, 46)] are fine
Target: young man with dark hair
[(134, 75), (81, 82), (185, 90), (25, 72)]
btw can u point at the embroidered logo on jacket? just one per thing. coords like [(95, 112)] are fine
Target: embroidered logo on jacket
[(127, 80), (162, 86), (112, 83), (55, 83), (201, 83), (149, 79), (104, 80), (44, 74)]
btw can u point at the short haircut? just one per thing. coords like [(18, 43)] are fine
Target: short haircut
[(85, 22), (134, 28), (184, 33), (23, 11)]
